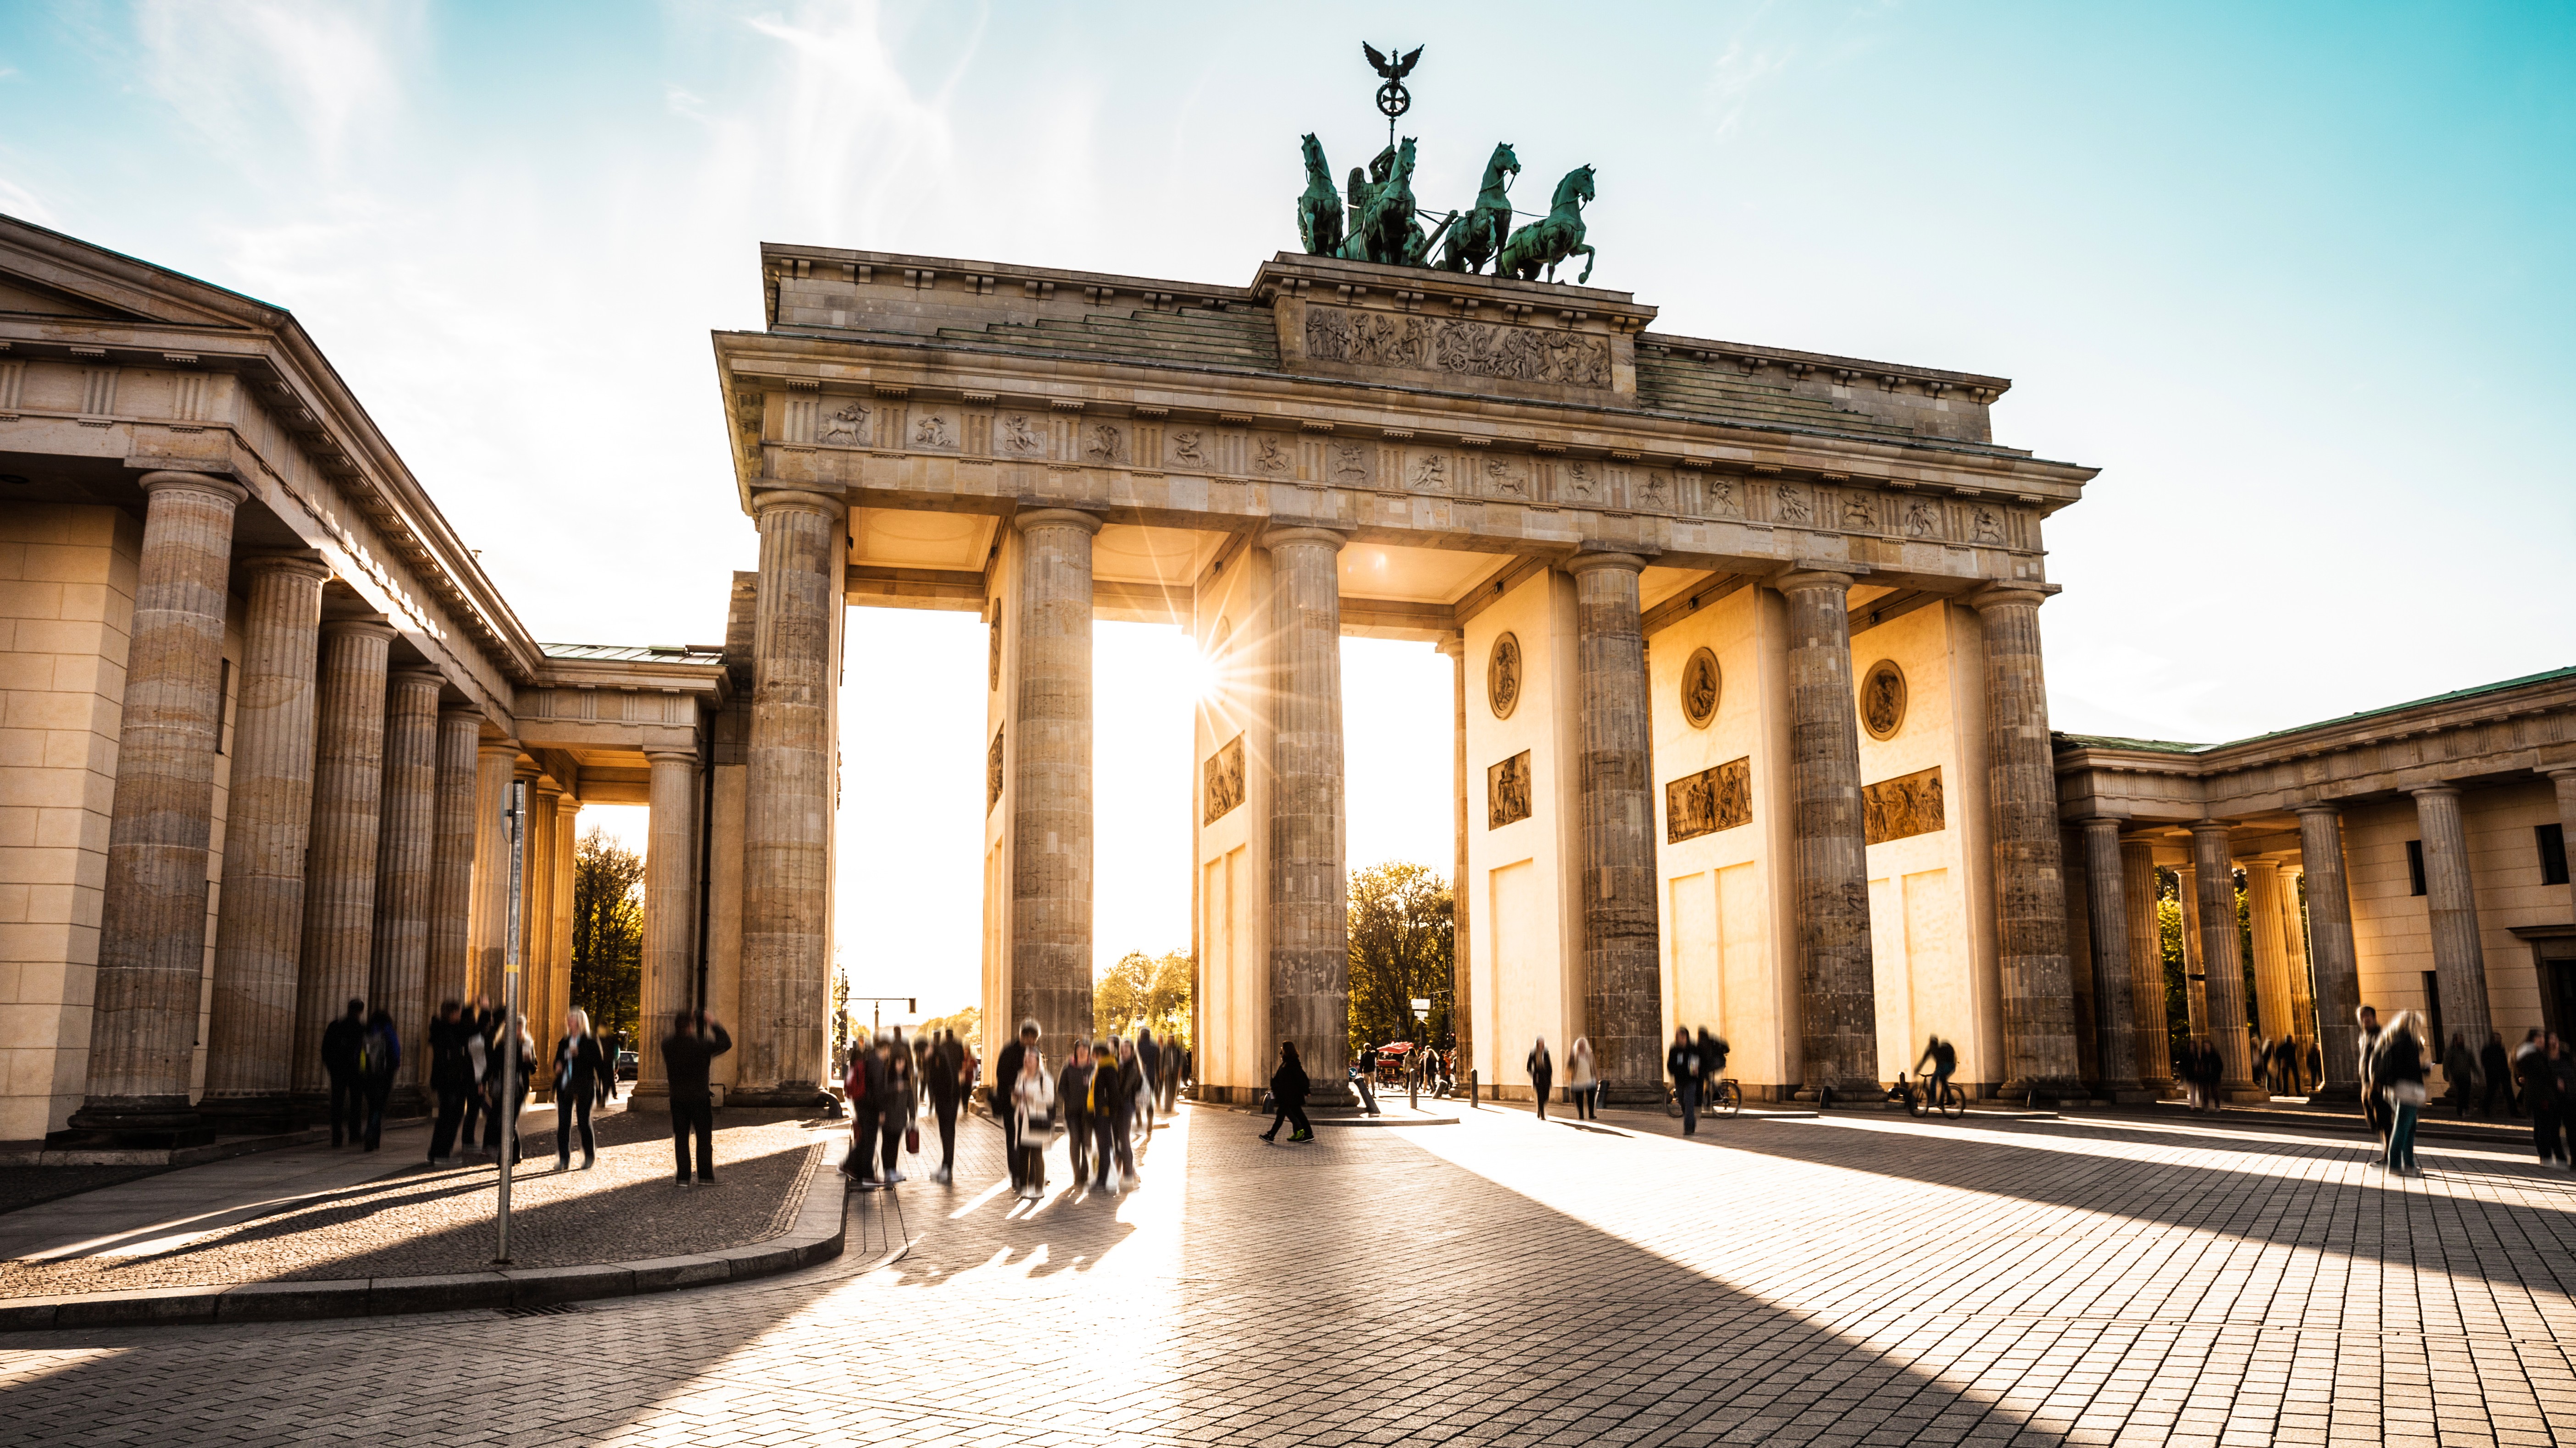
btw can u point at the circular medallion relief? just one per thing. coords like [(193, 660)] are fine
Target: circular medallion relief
[(1503, 677), (1699, 688), (1882, 699)]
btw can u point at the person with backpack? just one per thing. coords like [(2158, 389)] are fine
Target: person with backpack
[(582, 1076), (379, 1057), (1073, 1104), (342, 1040), (947, 1077), (1033, 1107), (1288, 1088), (1943, 1058)]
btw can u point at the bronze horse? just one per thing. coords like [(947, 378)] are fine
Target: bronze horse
[(1481, 234), (1319, 211)]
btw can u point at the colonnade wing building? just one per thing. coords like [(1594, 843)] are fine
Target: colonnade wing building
[(1749, 700), (260, 721)]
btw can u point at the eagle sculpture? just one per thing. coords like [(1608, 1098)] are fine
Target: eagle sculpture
[(1395, 69)]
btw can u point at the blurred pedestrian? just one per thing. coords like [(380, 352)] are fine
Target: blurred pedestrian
[(505, 1092), (379, 1057), (2397, 1069), (1149, 1066), (946, 1078), (451, 1078), (479, 1057), (1542, 1074), (1073, 1107), (1288, 1088), (2542, 1097), (1116, 1078), (1580, 1082), (1033, 1106), (342, 1041), (2497, 1073), (2374, 1110), (895, 1113), (2459, 1074), (583, 1075), (1682, 1064), (1005, 1083), (859, 1079), (695, 1041)]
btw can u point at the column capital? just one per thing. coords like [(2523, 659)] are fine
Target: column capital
[(224, 488), (671, 756), (1455, 646), (2559, 771), (502, 748), (569, 804), (370, 628), (2010, 595), (1582, 563), (1799, 580), (417, 674), (1056, 518), (2318, 807), (2435, 791), (301, 564), (2208, 827), (774, 500), (1294, 534), (457, 713)]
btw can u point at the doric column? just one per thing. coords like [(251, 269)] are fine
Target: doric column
[(2338, 969), (250, 1040), (1051, 863), (152, 930), (2272, 1010), (2195, 975), (1622, 969), (670, 955), (2565, 780), (2215, 868), (542, 990), (2151, 1051), (566, 862), (488, 925), (1461, 1013), (2106, 879), (406, 862), (1838, 1034), (2294, 940), (2451, 906), (2030, 897), (787, 817), (340, 866), (1309, 895), (451, 884)]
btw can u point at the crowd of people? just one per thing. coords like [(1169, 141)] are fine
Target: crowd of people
[(1105, 1091), (362, 1056), (2537, 1080)]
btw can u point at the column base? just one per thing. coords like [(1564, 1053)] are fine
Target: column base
[(2130, 1096), (248, 1115), (2337, 1093), (794, 1094), (151, 1123), (1846, 1094)]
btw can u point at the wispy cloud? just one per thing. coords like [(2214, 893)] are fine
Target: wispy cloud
[(257, 74)]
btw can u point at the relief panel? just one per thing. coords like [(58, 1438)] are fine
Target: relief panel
[(1462, 348), (1909, 804), (1224, 780), (1507, 791), (1716, 798)]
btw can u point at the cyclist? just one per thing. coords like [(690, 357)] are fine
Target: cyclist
[(1944, 1059), (1712, 1064)]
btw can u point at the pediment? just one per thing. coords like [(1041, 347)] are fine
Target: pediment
[(46, 274), (32, 297)]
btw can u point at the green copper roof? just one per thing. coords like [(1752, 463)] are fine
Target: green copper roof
[(2168, 746), (635, 653)]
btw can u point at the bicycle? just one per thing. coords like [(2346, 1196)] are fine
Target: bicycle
[(1725, 1098), (1951, 1102)]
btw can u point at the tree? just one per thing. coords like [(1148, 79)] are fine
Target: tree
[(1143, 990), (1403, 926), (608, 934), (967, 1023)]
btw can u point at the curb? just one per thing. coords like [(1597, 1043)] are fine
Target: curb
[(818, 1236)]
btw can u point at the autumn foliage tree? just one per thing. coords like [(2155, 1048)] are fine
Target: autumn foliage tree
[(1403, 939), (1144, 990), (608, 934)]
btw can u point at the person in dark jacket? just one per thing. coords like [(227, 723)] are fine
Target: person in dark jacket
[(506, 1094), (1073, 1107), (451, 1079), (896, 1104), (2459, 1074), (379, 1058), (480, 1054), (1005, 1082), (2498, 1073), (1682, 1064), (944, 1075), (2543, 1100), (1542, 1074), (1117, 1087), (583, 1075), (696, 1039), (342, 1042), (1288, 1088), (1149, 1065), (2397, 1073)]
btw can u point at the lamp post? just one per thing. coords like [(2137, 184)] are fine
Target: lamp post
[(1413, 1064), (515, 812)]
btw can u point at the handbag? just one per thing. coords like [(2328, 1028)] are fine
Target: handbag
[(912, 1140), (2407, 1093)]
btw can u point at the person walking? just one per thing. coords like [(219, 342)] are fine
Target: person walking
[(1542, 1074), (1288, 1088), (342, 1040), (1073, 1107), (1006, 1081), (1033, 1104), (503, 1099), (2459, 1075), (695, 1041), (2544, 1101), (859, 1093), (946, 1077), (479, 1057), (895, 1112), (2497, 1072), (2398, 1075), (2374, 1111), (1149, 1067), (583, 1075), (1682, 1064), (451, 1079), (379, 1056), (1580, 1081), (1116, 1077)]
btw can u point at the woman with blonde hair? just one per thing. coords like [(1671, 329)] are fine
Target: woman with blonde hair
[(582, 1075), (1582, 1082)]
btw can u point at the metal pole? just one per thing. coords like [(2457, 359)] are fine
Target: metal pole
[(507, 1104)]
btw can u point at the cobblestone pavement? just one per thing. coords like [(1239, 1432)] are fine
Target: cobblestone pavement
[(1854, 1279), (390, 1216)]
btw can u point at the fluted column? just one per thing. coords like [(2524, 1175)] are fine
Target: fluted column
[(2106, 879), (2303, 990), (406, 862), (1838, 1034), (451, 886), (1309, 892), (2151, 1048), (1051, 828), (2215, 884), (1461, 1012), (2273, 1016), (2338, 970), (1622, 967), (670, 953), (787, 818), (2565, 781), (542, 989), (2195, 973), (340, 866), (2451, 906), (250, 1040), (2030, 896), (566, 859), (488, 925), (152, 930)]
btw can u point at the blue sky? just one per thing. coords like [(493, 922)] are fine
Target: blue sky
[(2294, 276)]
